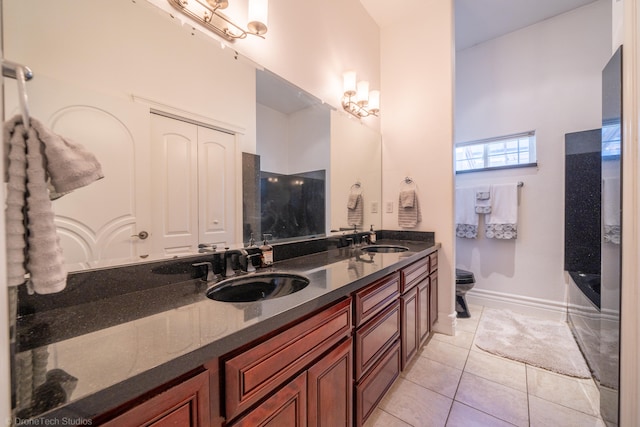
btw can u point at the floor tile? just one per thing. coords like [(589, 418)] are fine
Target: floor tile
[(498, 369), (445, 353), (465, 416), (487, 390), (494, 399), (544, 413), (579, 394), (460, 339), (433, 375), (408, 402), (380, 418)]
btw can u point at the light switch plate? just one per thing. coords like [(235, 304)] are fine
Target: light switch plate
[(389, 207), (374, 207)]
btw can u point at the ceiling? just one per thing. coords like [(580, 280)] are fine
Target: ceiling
[(477, 21)]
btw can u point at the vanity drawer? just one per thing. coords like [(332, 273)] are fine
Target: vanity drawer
[(375, 384), (433, 261), (414, 273), (374, 298), (375, 337), (255, 373)]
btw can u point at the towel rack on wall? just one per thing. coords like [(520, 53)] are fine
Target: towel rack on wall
[(21, 74)]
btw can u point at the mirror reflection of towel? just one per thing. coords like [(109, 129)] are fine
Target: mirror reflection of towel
[(355, 212), (407, 198), (409, 217)]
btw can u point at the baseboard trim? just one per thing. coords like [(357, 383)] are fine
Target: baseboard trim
[(546, 309)]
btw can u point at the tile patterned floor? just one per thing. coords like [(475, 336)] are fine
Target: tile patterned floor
[(453, 383)]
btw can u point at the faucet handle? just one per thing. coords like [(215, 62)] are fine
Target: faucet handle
[(208, 269)]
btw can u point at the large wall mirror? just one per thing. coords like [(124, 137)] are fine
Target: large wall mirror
[(170, 113)]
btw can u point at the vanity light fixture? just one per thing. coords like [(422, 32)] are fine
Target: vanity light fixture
[(357, 99), (208, 13)]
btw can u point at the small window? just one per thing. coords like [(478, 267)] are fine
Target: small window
[(502, 152), (611, 139)]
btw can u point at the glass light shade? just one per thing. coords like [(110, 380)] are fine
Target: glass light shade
[(258, 14), (349, 83), (374, 100), (363, 92)]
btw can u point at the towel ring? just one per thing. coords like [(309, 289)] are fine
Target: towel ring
[(407, 183), (356, 188)]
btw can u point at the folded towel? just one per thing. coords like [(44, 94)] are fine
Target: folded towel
[(502, 222), (483, 193), (483, 199), (611, 210), (407, 198), (409, 217), (466, 218), (33, 245), (355, 211)]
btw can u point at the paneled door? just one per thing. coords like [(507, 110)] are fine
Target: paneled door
[(193, 186), (97, 223)]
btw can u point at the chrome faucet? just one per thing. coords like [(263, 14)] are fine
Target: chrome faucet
[(206, 247), (228, 260), (208, 270)]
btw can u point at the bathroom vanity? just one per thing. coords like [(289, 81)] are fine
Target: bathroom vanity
[(338, 343)]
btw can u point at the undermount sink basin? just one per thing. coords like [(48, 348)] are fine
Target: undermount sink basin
[(384, 248), (257, 287)]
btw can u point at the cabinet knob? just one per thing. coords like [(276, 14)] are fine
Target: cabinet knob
[(141, 235)]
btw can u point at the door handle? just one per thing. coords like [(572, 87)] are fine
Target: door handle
[(141, 235)]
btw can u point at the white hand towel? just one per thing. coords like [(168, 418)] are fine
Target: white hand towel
[(502, 222), (409, 217), (611, 210), (483, 199), (355, 211), (466, 217)]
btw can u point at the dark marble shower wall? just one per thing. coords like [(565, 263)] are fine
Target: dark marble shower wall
[(582, 201)]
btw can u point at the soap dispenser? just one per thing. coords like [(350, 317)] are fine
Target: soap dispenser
[(267, 251), (372, 235)]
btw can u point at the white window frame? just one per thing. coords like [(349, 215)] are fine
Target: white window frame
[(485, 143)]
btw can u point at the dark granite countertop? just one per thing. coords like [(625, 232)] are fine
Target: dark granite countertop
[(121, 346)]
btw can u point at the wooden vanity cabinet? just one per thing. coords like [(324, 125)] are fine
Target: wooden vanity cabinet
[(433, 289), (377, 343), (264, 381), (419, 303)]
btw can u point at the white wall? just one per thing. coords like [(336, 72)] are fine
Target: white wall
[(417, 129), (547, 78), (293, 143)]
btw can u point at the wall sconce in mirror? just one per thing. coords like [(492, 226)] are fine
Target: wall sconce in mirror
[(357, 99), (208, 13)]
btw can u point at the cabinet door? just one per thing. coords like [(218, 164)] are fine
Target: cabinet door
[(285, 408), (410, 316), (185, 405), (433, 299), (424, 311), (330, 388)]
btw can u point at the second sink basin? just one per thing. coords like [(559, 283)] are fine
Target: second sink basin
[(384, 248), (257, 287)]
